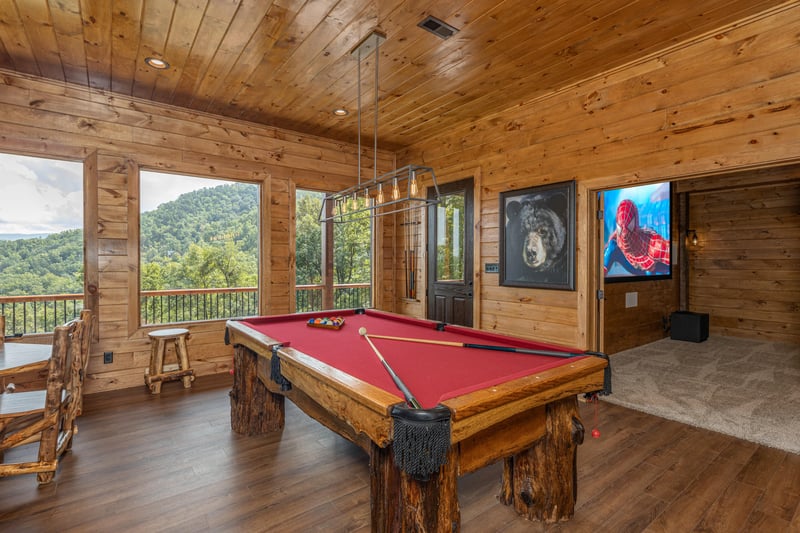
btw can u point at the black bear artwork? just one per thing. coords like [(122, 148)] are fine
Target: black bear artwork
[(538, 239)]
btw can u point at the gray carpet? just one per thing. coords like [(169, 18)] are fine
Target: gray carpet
[(746, 388)]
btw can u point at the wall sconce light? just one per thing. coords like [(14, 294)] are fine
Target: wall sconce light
[(692, 236)]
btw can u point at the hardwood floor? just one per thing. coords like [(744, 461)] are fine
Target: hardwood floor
[(171, 463)]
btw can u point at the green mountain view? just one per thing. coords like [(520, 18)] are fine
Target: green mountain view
[(42, 265), (217, 226), (204, 238)]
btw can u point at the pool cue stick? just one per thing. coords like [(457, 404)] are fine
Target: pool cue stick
[(410, 400), (412, 274), (405, 253), (530, 351), (408, 286)]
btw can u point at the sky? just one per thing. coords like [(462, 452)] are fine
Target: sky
[(158, 187), (46, 195)]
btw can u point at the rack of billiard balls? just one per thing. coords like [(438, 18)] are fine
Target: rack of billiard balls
[(334, 322)]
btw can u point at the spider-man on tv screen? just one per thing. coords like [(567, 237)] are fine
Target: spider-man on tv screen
[(636, 232)]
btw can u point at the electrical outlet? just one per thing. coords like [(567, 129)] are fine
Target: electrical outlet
[(108, 357), (631, 299)]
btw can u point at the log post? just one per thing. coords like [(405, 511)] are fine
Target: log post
[(384, 488), (402, 503), (541, 482), (254, 409)]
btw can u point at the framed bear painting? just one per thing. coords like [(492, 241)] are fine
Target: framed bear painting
[(537, 237)]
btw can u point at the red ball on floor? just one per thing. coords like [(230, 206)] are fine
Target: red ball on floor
[(596, 433)]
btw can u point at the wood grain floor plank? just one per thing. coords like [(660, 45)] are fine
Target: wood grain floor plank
[(782, 494), (171, 463), (732, 509), (684, 463)]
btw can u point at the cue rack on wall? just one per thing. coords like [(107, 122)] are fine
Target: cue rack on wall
[(412, 251)]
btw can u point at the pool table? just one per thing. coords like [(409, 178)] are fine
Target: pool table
[(477, 405)]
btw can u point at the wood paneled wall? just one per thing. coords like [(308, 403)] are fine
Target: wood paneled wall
[(723, 102), (745, 270), (115, 137), (628, 327)]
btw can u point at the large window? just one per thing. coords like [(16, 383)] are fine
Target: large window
[(349, 265), (199, 248), (41, 243), (308, 251), (352, 273)]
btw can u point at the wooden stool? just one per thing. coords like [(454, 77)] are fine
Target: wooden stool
[(158, 373)]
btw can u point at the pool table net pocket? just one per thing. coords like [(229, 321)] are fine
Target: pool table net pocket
[(421, 439), (275, 369)]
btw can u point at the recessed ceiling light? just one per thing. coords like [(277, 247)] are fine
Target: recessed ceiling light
[(157, 63), (341, 112)]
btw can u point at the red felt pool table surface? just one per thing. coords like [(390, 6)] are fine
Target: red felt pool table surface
[(493, 405), (432, 373)]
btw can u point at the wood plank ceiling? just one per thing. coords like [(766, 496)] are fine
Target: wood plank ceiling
[(287, 63)]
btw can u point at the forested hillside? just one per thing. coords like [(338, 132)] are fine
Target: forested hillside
[(42, 265), (203, 239), (207, 238), (210, 215)]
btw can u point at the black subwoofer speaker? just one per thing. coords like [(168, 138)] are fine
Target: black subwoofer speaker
[(688, 326)]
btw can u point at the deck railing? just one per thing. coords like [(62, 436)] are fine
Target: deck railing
[(345, 296), (184, 305), (39, 314), (26, 315)]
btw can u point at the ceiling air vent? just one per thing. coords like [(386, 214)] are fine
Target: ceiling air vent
[(438, 27)]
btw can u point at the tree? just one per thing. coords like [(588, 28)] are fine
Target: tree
[(152, 277), (232, 264), (200, 267), (351, 252), (308, 238), (450, 238)]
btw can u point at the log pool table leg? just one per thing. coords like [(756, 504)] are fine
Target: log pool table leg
[(402, 503), (541, 482), (254, 409)]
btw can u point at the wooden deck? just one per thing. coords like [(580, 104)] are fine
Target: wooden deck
[(170, 463)]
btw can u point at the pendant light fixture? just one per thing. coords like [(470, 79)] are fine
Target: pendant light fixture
[(389, 193)]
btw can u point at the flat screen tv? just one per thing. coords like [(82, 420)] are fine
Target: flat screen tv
[(636, 233)]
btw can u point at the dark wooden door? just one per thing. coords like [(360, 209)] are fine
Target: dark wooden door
[(450, 249)]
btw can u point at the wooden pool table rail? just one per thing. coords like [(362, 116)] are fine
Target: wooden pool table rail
[(366, 407), (531, 423)]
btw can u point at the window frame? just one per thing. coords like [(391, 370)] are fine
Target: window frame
[(134, 230), (88, 220), (327, 266)]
